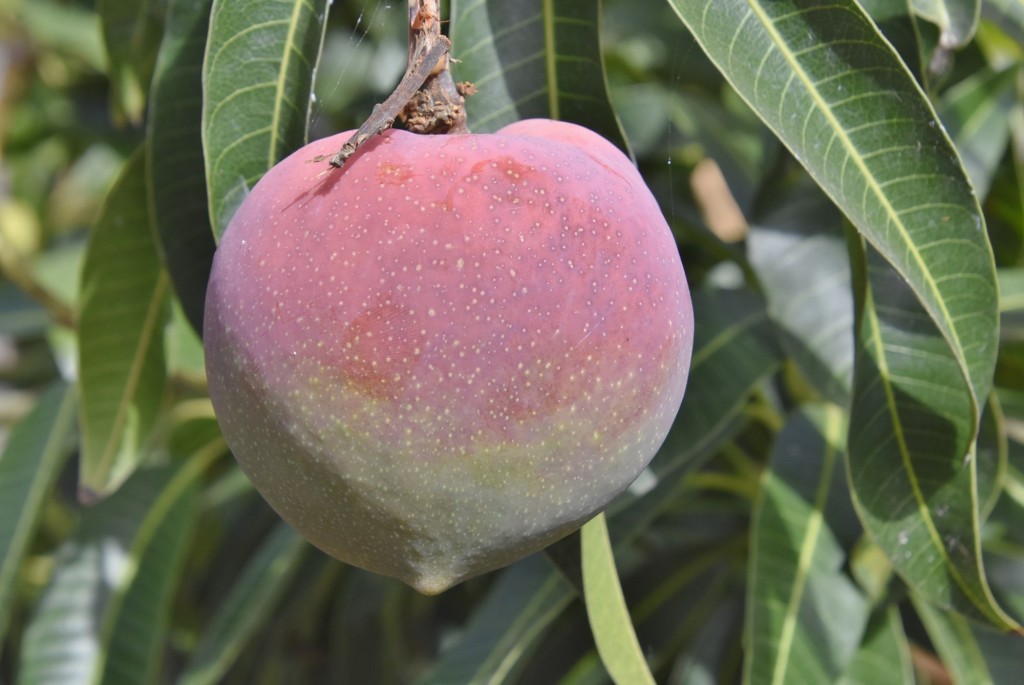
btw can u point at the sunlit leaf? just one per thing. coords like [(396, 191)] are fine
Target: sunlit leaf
[(805, 617), (121, 357), (174, 161), (31, 460), (257, 79), (610, 622), (532, 58)]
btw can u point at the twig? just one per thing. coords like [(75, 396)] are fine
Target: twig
[(426, 98)]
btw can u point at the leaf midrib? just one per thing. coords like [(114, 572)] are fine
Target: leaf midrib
[(905, 458), (949, 331), (279, 99), (551, 58), (810, 545), (113, 442)]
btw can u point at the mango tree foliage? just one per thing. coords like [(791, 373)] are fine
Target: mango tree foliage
[(841, 496)]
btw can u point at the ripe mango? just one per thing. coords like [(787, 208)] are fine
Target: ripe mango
[(451, 352)]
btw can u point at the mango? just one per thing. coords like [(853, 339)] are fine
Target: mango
[(451, 352)]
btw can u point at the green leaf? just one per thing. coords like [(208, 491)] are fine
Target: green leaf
[(257, 80), (366, 630), (976, 112), (884, 655), (72, 29), (139, 633), (1007, 14), (1011, 309), (991, 454), (610, 622), (973, 654), (911, 460), (805, 617), (249, 605), (957, 19), (797, 248), (121, 356), (703, 662), (125, 557), (733, 350), (524, 602), (131, 31), (533, 58), (830, 86), (1011, 291), (35, 451), (174, 162)]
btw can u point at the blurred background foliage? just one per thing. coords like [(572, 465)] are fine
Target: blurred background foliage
[(244, 601)]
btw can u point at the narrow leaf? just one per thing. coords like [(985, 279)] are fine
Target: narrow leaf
[(35, 451), (797, 248), (884, 655), (518, 609), (131, 31), (363, 624), (533, 58), (609, 617), (805, 617), (974, 655), (248, 606), (834, 91), (702, 663), (1011, 304), (257, 80), (139, 633), (82, 614), (991, 455), (910, 430), (174, 159), (121, 356)]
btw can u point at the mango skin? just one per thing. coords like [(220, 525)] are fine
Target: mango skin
[(452, 352)]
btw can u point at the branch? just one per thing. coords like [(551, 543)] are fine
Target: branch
[(426, 99)]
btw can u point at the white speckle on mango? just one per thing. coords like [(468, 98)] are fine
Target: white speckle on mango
[(458, 378)]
